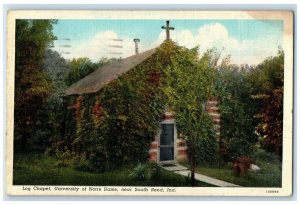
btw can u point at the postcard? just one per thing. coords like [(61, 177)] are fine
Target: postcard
[(149, 103)]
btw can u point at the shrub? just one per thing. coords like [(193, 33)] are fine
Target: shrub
[(145, 171), (81, 163), (67, 158), (261, 156)]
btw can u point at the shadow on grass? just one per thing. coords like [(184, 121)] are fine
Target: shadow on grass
[(38, 169)]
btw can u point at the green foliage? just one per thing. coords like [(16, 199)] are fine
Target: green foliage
[(271, 124), (147, 171), (57, 68), (206, 145), (237, 109), (32, 83), (268, 75), (251, 103), (267, 91), (116, 125), (189, 86), (261, 156), (68, 158), (79, 68), (65, 158), (103, 61)]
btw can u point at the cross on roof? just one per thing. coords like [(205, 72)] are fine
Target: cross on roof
[(168, 28)]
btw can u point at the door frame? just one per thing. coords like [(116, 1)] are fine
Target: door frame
[(169, 121)]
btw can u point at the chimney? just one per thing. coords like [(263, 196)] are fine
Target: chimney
[(136, 41)]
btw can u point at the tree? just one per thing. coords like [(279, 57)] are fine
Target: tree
[(103, 61), (267, 80), (189, 86), (57, 68), (237, 134), (32, 83), (79, 68)]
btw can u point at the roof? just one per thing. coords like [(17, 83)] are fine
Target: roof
[(105, 74)]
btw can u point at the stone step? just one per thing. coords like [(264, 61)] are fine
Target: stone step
[(173, 167)]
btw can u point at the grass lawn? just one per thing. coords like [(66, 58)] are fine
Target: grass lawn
[(268, 176), (38, 169)]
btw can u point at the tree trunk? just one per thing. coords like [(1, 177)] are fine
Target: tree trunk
[(193, 177), (193, 166)]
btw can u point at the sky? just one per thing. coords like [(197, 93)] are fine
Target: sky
[(246, 41)]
